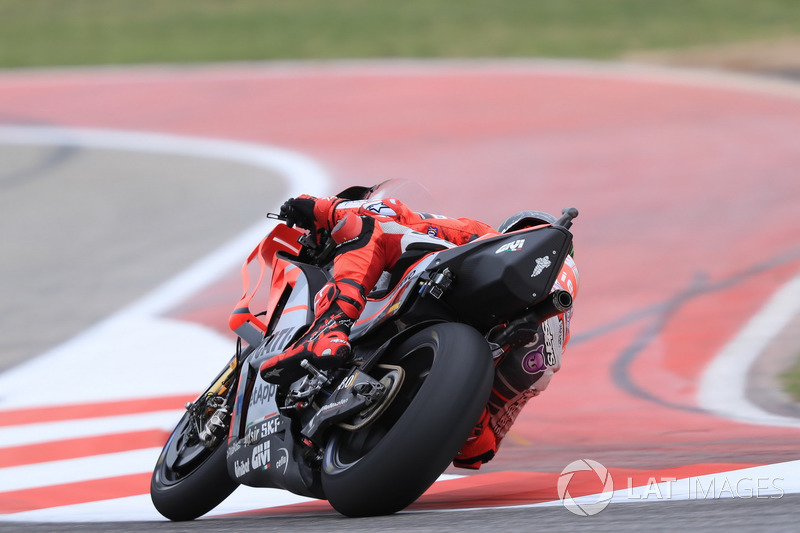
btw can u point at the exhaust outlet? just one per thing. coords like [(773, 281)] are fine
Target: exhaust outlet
[(557, 302), (522, 330), (562, 300)]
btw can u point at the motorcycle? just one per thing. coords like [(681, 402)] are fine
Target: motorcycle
[(372, 436)]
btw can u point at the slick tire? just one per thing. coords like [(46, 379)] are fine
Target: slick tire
[(384, 467)]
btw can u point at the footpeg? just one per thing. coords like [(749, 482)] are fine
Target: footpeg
[(315, 372)]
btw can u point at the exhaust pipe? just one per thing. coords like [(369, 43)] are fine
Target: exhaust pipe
[(558, 302), (522, 330)]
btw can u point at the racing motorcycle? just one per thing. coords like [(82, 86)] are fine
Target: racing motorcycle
[(371, 436)]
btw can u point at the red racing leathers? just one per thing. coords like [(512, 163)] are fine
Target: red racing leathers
[(371, 235)]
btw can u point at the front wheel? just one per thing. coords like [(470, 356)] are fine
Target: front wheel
[(385, 466), (189, 479)]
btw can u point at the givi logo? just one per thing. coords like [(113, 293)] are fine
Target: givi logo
[(513, 246)]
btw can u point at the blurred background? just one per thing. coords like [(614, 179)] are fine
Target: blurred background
[(757, 35), (761, 37), (672, 125)]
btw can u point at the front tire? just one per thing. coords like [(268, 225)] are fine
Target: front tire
[(384, 467), (189, 479)]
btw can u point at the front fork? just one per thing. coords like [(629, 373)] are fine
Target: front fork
[(210, 413)]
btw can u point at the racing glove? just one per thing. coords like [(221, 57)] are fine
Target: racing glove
[(299, 212)]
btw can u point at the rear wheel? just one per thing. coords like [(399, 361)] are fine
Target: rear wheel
[(385, 466)]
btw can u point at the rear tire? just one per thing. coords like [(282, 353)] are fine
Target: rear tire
[(384, 467)]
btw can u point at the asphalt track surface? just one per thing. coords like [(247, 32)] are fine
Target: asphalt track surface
[(90, 260), (708, 515), (688, 225)]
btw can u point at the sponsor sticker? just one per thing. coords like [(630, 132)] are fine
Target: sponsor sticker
[(379, 208), (541, 264), (240, 468), (260, 458), (513, 246), (533, 362), (263, 393), (259, 432)]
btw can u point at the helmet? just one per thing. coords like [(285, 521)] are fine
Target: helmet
[(526, 219), (356, 192)]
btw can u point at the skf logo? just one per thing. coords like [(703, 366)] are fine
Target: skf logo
[(513, 246)]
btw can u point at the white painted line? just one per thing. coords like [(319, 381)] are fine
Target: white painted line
[(140, 508), (762, 482), (75, 470), (171, 341), (21, 435), (301, 175), (164, 357), (723, 383), (110, 362), (131, 509)]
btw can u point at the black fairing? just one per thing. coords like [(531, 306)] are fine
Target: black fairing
[(498, 278)]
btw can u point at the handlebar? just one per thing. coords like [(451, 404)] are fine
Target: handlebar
[(567, 214)]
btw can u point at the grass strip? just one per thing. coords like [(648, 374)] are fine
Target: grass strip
[(86, 32)]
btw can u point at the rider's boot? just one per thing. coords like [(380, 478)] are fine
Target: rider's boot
[(326, 343), (480, 446)]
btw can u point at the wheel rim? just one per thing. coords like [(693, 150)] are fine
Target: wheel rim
[(346, 448), (183, 454)]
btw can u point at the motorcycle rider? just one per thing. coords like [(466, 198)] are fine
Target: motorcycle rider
[(370, 236)]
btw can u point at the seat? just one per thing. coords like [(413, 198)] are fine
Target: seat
[(414, 252)]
